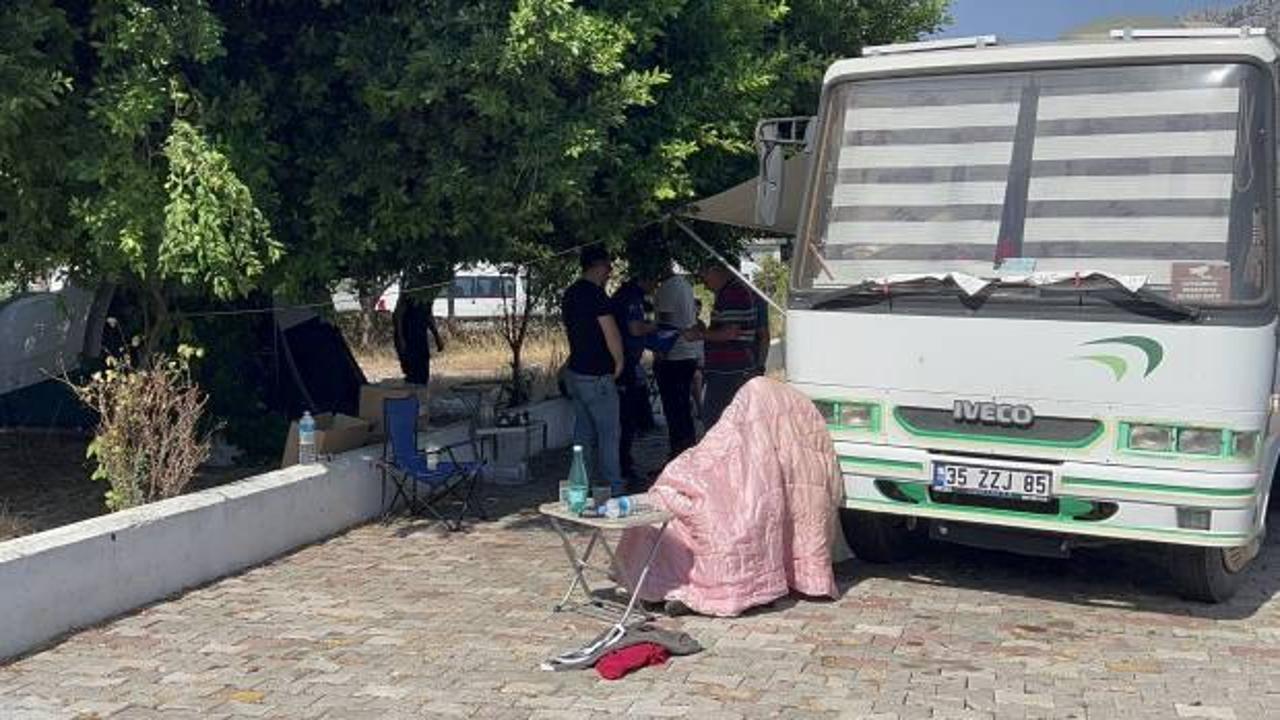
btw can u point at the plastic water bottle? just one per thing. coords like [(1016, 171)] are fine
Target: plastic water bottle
[(621, 507), (579, 485), (306, 439)]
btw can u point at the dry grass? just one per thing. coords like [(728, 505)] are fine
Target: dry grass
[(44, 482), (477, 352), (11, 525)]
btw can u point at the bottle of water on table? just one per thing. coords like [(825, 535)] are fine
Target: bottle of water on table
[(306, 439), (579, 485), (621, 507)]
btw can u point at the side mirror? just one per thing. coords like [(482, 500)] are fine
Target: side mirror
[(769, 185), (772, 137)]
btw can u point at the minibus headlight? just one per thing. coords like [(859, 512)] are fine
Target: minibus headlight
[(1198, 441), (857, 415), (1151, 438), (1244, 444), (827, 409), (849, 414)]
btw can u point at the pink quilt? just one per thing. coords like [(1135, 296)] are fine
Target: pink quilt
[(753, 505)]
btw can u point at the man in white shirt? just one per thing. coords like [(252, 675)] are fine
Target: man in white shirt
[(674, 305)]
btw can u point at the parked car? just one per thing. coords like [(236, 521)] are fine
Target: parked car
[(477, 292)]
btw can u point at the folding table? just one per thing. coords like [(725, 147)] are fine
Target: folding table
[(614, 612)]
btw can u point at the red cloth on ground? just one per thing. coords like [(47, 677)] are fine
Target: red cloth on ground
[(620, 662)]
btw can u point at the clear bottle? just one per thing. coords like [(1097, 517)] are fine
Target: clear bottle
[(579, 485), (306, 439), (621, 507)]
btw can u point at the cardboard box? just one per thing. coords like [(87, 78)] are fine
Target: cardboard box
[(371, 397), (334, 434)]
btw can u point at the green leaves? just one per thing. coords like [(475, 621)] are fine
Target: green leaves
[(214, 234), (217, 148)]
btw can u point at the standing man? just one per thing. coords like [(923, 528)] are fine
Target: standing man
[(633, 391), (595, 362), (730, 341), (697, 386), (674, 369), (763, 340), (412, 320)]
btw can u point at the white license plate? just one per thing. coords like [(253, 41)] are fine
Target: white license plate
[(989, 480)]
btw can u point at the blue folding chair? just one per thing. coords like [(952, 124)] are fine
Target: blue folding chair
[(420, 485)]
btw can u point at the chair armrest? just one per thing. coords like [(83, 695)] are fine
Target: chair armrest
[(447, 450)]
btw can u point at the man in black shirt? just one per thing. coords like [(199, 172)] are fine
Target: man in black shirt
[(633, 389), (413, 320), (595, 362)]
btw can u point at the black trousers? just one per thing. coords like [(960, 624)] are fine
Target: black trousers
[(675, 380), (721, 389), (633, 404), (415, 360)]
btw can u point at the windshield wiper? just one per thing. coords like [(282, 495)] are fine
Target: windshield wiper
[(1146, 295), (867, 293), (870, 293)]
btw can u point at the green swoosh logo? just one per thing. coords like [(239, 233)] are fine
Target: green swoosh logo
[(1116, 364), (1149, 347)]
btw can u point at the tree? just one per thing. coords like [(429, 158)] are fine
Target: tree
[(482, 129), (1255, 13), (37, 128), (545, 275), (210, 147), (133, 187)]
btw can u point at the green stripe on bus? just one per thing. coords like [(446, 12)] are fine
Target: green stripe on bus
[(1064, 522), (1146, 487), (880, 462), (996, 439)]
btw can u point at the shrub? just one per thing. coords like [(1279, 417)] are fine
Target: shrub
[(149, 442)]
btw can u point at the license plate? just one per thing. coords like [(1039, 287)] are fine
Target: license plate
[(989, 480)]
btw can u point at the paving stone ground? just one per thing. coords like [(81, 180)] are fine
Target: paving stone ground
[(405, 621)]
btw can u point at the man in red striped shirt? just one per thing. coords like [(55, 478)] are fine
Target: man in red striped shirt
[(730, 344)]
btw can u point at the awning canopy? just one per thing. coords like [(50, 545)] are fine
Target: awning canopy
[(737, 206)]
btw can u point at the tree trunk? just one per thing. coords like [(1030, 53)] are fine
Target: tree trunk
[(368, 311), (515, 329), (156, 324), (519, 393)]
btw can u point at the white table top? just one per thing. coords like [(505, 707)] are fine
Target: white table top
[(558, 511)]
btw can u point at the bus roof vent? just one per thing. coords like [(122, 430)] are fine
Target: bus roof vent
[(1186, 33), (926, 45)]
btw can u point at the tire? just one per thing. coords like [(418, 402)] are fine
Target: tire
[(880, 538), (1208, 575)]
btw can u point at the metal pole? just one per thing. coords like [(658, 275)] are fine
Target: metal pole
[(728, 266)]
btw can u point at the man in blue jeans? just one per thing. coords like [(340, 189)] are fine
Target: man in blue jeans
[(595, 362)]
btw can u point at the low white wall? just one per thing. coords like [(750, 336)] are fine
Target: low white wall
[(70, 577)]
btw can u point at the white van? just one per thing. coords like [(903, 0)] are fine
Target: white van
[(1034, 295), (477, 292)]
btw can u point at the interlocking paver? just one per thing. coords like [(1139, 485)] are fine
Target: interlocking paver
[(405, 620)]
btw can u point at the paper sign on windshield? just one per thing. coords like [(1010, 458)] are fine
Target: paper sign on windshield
[(1201, 282)]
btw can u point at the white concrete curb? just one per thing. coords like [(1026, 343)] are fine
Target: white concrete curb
[(54, 582)]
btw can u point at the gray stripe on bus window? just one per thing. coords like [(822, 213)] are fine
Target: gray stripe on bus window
[(1007, 87), (914, 213), (1200, 251), (963, 173), (1128, 208), (1214, 165), (1037, 209), (1137, 124), (926, 136)]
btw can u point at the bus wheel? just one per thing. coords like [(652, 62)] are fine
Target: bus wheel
[(1209, 575), (881, 538)]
